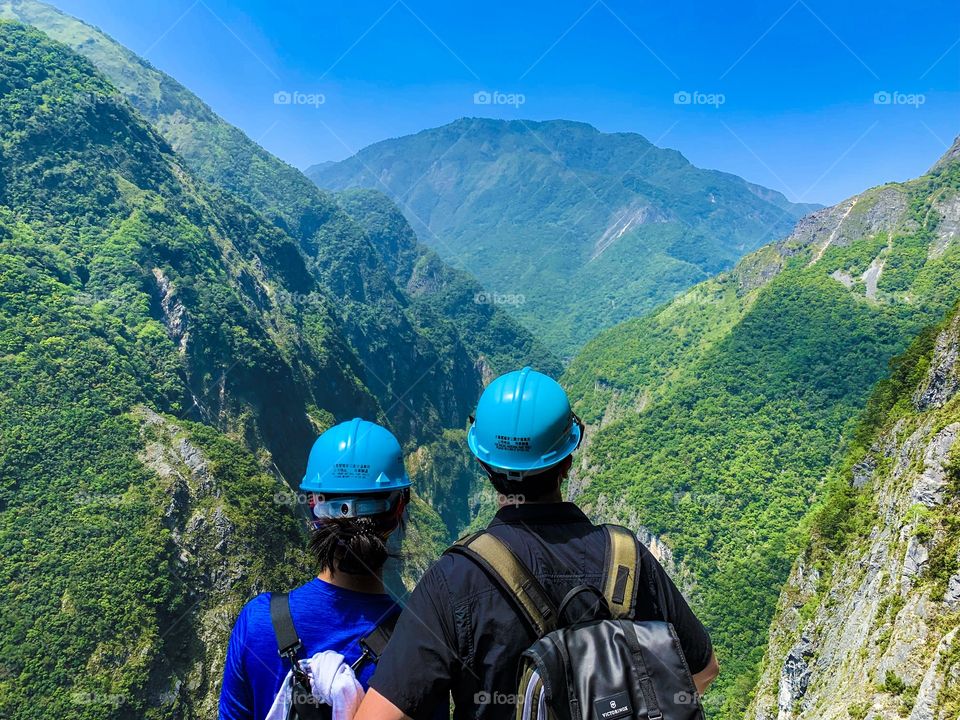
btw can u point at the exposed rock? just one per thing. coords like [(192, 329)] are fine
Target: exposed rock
[(929, 487), (871, 277), (844, 278), (942, 381), (207, 563), (863, 471), (925, 707), (794, 677), (197, 464), (948, 229), (174, 313), (817, 228), (904, 656), (604, 511), (952, 597), (657, 547), (882, 210), (915, 558), (622, 221), (951, 155)]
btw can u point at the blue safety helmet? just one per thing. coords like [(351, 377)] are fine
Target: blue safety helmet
[(524, 424), (356, 457)]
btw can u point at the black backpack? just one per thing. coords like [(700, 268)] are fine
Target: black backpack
[(607, 667), (305, 706)]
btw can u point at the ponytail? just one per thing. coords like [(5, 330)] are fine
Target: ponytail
[(357, 546)]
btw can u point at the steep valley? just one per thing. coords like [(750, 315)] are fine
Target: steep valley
[(717, 417)]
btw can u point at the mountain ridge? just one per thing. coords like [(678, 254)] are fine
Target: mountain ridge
[(588, 227), (716, 416)]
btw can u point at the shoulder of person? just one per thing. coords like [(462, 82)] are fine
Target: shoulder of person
[(254, 612)]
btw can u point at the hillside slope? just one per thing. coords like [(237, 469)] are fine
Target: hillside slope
[(719, 414), (410, 356), (576, 229), (867, 626), (135, 299)]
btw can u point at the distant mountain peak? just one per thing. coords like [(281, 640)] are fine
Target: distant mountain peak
[(950, 156), (588, 227)]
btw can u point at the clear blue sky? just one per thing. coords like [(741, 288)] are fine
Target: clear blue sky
[(797, 79)]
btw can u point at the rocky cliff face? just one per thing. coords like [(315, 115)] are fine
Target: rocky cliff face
[(868, 629), (213, 560)]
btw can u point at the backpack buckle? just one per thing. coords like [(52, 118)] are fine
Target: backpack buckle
[(289, 652)]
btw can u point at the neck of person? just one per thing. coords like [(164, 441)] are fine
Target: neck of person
[(366, 583)]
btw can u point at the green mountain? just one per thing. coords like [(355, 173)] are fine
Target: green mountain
[(423, 340), (571, 229), (867, 625), (167, 356), (409, 354), (716, 417)]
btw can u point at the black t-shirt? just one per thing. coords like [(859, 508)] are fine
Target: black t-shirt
[(460, 632)]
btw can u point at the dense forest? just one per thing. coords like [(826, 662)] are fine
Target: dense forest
[(720, 414)]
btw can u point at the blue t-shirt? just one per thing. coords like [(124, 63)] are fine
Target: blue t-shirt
[(327, 617)]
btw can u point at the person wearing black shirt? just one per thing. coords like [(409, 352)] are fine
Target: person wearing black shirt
[(460, 634)]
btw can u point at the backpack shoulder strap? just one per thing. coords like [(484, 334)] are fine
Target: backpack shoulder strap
[(288, 642), (505, 568), (621, 571), (375, 642)]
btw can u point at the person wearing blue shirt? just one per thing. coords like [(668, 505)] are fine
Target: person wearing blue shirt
[(357, 489)]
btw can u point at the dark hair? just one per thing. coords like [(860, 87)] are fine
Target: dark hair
[(532, 487), (356, 546)]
